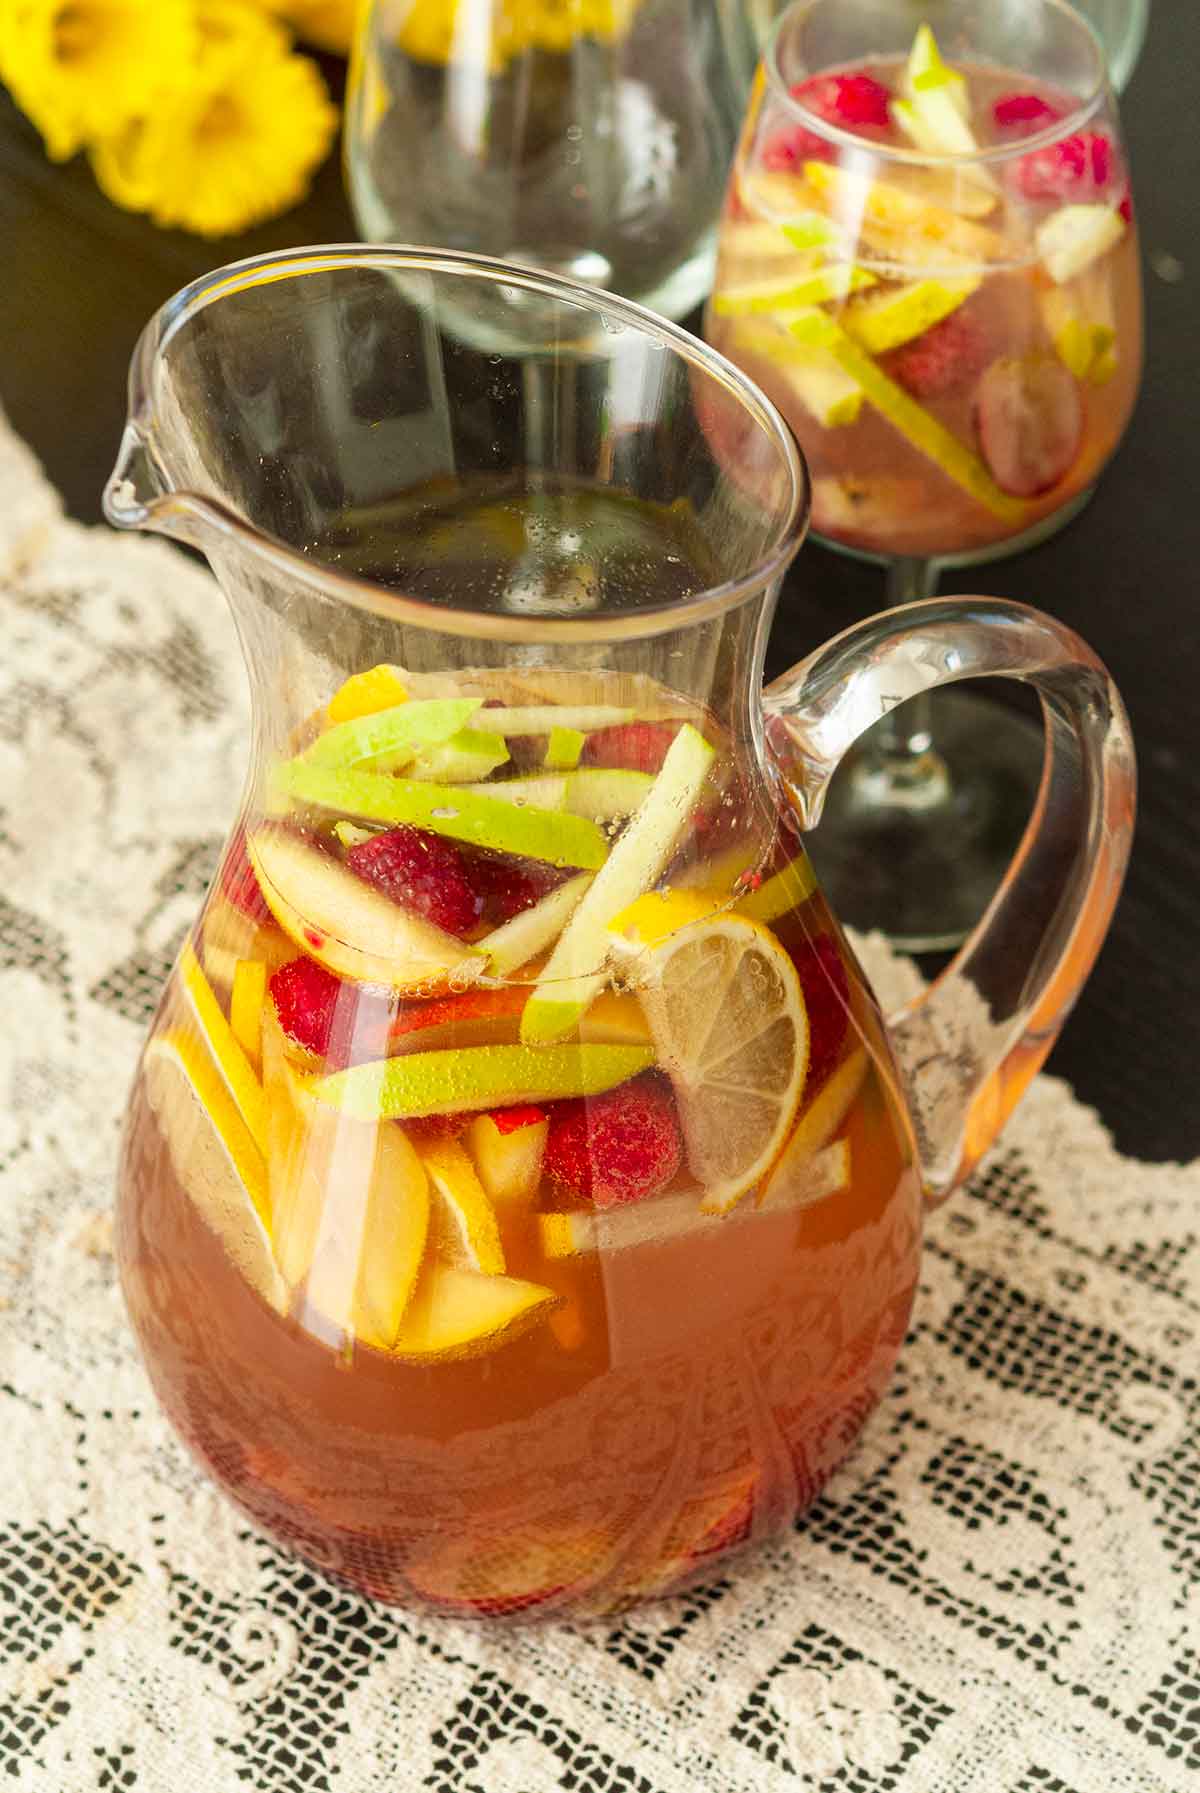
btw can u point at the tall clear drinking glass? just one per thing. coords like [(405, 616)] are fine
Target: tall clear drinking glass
[(929, 260)]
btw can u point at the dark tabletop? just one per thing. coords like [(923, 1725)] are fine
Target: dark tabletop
[(80, 279)]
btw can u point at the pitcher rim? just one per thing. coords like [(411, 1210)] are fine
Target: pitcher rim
[(173, 508)]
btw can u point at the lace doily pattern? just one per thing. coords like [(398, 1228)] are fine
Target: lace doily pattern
[(998, 1593)]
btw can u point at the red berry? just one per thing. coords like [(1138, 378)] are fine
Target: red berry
[(420, 871), (636, 746), (1073, 168), (1029, 416), (786, 151), (508, 885), (238, 881), (846, 100), (511, 1120), (324, 1015), (822, 973), (1125, 209), (948, 355), (619, 1147), (1024, 112)]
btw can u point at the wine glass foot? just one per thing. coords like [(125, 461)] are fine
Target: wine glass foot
[(919, 859)]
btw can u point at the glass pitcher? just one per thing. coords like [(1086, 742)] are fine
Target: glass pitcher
[(521, 1203)]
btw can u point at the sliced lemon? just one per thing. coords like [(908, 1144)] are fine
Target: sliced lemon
[(817, 1125), (459, 1313), (229, 1055), (474, 1077), (727, 1016), (363, 693), (213, 1155), (246, 1001), (464, 1222), (785, 890), (654, 917), (885, 321), (900, 224)]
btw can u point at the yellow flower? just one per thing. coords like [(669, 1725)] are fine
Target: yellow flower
[(494, 31), (327, 23), (237, 144), (82, 67)]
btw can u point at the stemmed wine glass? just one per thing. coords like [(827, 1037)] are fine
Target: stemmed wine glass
[(928, 259)]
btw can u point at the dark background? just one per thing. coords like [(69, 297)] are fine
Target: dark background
[(80, 278)]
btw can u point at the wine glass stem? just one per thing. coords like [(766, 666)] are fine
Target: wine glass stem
[(899, 766)]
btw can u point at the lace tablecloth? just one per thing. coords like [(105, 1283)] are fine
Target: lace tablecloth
[(999, 1592)]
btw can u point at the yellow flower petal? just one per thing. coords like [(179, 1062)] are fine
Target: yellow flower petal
[(84, 68), (327, 23)]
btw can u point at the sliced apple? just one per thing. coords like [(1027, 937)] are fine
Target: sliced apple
[(228, 1055), (346, 925), (787, 292), (508, 1146), (370, 1245), (563, 749), (597, 793), (213, 1155), (824, 389), (478, 1017), (883, 321), (913, 421), (543, 719), (481, 817), (669, 1217), (898, 223), (803, 1178), (378, 688), (573, 976), (420, 1083), (246, 1009), (927, 70), (533, 931), (464, 1222), (1075, 236), (459, 1313), (406, 729), (465, 757)]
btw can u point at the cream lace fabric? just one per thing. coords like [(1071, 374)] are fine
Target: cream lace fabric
[(999, 1593)]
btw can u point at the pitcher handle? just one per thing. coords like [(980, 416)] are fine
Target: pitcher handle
[(974, 1040)]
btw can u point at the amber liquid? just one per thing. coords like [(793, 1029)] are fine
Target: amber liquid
[(691, 1394), (874, 488)]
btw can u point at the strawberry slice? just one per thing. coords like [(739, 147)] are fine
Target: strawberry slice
[(947, 356), (1029, 416), (634, 746), (616, 1148)]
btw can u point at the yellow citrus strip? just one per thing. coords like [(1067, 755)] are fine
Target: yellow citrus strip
[(379, 688), (246, 1001), (231, 1060)]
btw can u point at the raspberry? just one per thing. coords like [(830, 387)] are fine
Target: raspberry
[(826, 988), (1023, 112), (1073, 168), (314, 1012), (511, 1120), (636, 746), (616, 1148), (507, 885), (238, 881), (420, 871), (847, 100), (947, 355)]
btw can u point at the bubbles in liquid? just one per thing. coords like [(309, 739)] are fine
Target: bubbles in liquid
[(443, 815)]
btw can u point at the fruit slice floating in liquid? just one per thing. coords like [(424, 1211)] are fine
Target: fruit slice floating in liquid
[(476, 1077), (227, 1053), (246, 1001), (487, 1017), (599, 794), (681, 1215), (514, 943), (1030, 420), (1082, 324), (370, 1244), (508, 1146), (1075, 236), (563, 749), (347, 926), (917, 425), (466, 756), (885, 321), (543, 719), (785, 294), (900, 224), (424, 873), (727, 1016), (378, 688), (402, 732), (798, 1177), (213, 1155), (786, 889), (464, 1222), (572, 976), (482, 816), (615, 1149), (825, 390), (457, 1313)]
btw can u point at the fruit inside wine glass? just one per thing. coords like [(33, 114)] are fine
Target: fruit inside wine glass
[(932, 269), (518, 1211)]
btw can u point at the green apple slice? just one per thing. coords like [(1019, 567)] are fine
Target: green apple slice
[(833, 282), (926, 69), (572, 976), (402, 731), (598, 793), (455, 811), (346, 925), (676, 1216), (1075, 236), (534, 930), (885, 320), (563, 749), (467, 756), (913, 421), (825, 390), (471, 1078), (543, 719)]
